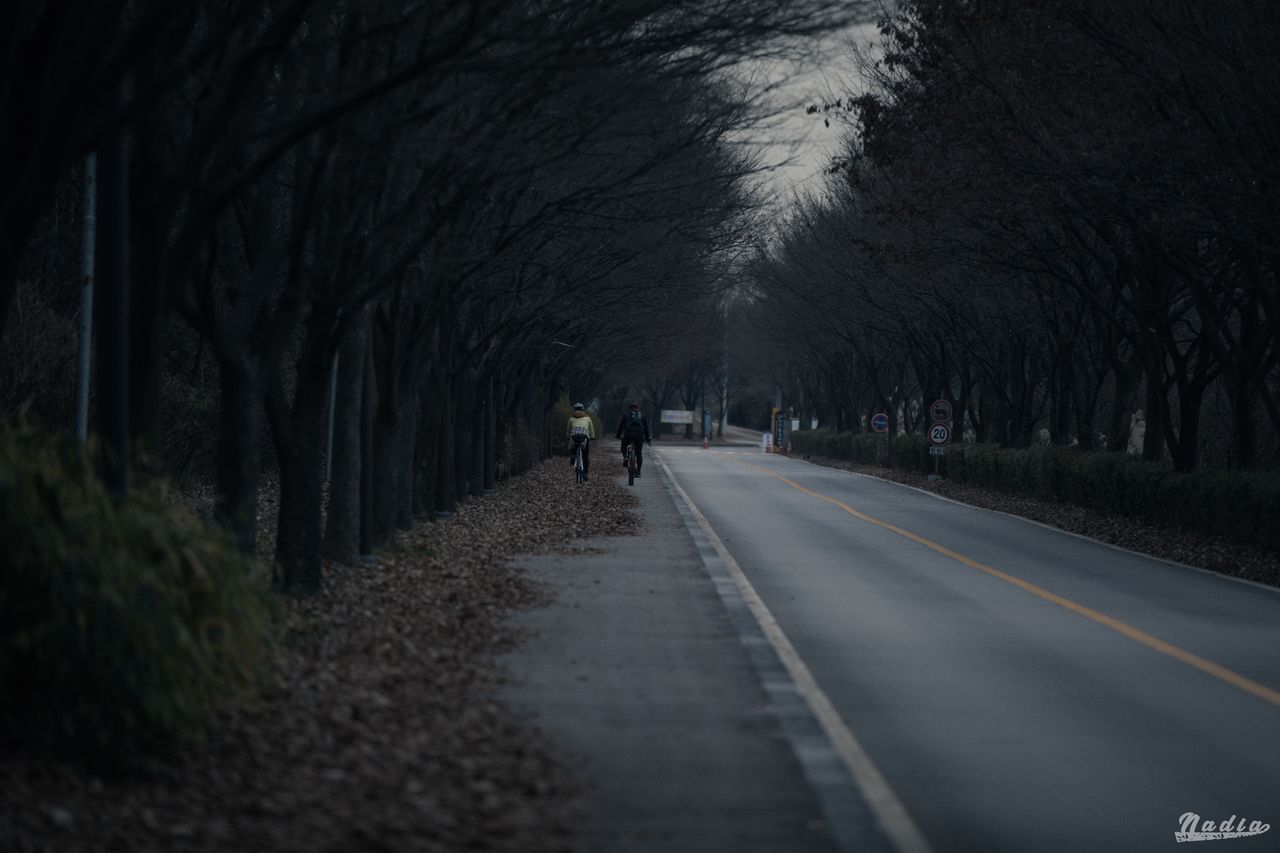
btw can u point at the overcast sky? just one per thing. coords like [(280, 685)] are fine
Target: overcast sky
[(802, 139)]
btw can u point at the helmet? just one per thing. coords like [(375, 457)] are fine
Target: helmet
[(578, 407)]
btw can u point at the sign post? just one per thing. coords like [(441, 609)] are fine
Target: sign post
[(880, 424), (939, 433)]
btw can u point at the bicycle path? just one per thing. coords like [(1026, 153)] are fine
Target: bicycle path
[(675, 713)]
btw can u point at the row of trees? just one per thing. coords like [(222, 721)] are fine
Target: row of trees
[(427, 218), (1060, 214)]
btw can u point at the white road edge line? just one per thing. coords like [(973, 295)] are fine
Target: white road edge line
[(1274, 590), (889, 810)]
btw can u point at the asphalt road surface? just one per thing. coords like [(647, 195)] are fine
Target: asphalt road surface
[(1001, 685)]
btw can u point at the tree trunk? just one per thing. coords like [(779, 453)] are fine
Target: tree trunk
[(1153, 440), (490, 451), (463, 433), (148, 301), (1119, 428), (342, 526), (1244, 424), (368, 390), (386, 461), (112, 284), (1060, 404), (239, 464), (1186, 451), (446, 499), (426, 451), (405, 467), (475, 469), (299, 443)]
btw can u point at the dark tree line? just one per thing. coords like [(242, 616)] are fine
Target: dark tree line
[(1059, 214), (426, 218)]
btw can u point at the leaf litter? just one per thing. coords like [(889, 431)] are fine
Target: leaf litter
[(380, 729)]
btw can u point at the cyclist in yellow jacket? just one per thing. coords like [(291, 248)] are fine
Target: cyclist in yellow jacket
[(581, 430)]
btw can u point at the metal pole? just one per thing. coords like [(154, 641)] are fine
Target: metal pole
[(84, 354)]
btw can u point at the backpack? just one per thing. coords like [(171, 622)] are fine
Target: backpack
[(633, 425)]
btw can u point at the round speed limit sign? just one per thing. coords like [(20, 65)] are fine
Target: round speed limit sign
[(939, 433)]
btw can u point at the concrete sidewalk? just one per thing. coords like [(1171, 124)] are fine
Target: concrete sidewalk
[(644, 678)]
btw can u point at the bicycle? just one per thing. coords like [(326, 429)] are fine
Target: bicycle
[(579, 469), (631, 463)]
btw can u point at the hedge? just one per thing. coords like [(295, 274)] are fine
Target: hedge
[(1238, 506)]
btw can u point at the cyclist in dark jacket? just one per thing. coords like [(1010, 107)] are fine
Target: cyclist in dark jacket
[(633, 429)]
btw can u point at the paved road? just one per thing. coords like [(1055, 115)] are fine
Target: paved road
[(640, 674), (1019, 688), (796, 658)]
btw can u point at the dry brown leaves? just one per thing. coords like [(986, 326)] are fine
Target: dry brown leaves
[(381, 731), (1192, 549)]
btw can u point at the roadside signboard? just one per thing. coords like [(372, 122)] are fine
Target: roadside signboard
[(940, 411), (779, 430), (676, 416), (939, 433), (937, 451), (880, 422)]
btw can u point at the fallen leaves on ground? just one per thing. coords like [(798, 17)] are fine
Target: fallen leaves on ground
[(381, 730)]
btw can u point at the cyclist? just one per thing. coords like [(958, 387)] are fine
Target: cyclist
[(581, 430), (633, 429)]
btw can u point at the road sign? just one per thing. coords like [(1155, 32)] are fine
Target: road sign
[(880, 422), (937, 451), (939, 433), (675, 416), (940, 411)]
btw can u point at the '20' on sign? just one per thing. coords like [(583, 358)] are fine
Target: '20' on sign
[(939, 433)]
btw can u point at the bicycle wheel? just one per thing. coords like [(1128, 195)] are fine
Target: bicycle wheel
[(578, 473), (631, 466)]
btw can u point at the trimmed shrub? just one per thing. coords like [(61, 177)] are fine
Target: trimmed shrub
[(1236, 506), (910, 451), (122, 627)]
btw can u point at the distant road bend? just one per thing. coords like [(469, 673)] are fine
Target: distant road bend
[(995, 684)]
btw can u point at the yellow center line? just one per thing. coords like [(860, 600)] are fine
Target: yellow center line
[(1218, 671)]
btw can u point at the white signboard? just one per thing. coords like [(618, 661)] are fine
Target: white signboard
[(767, 442), (939, 433), (676, 416)]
